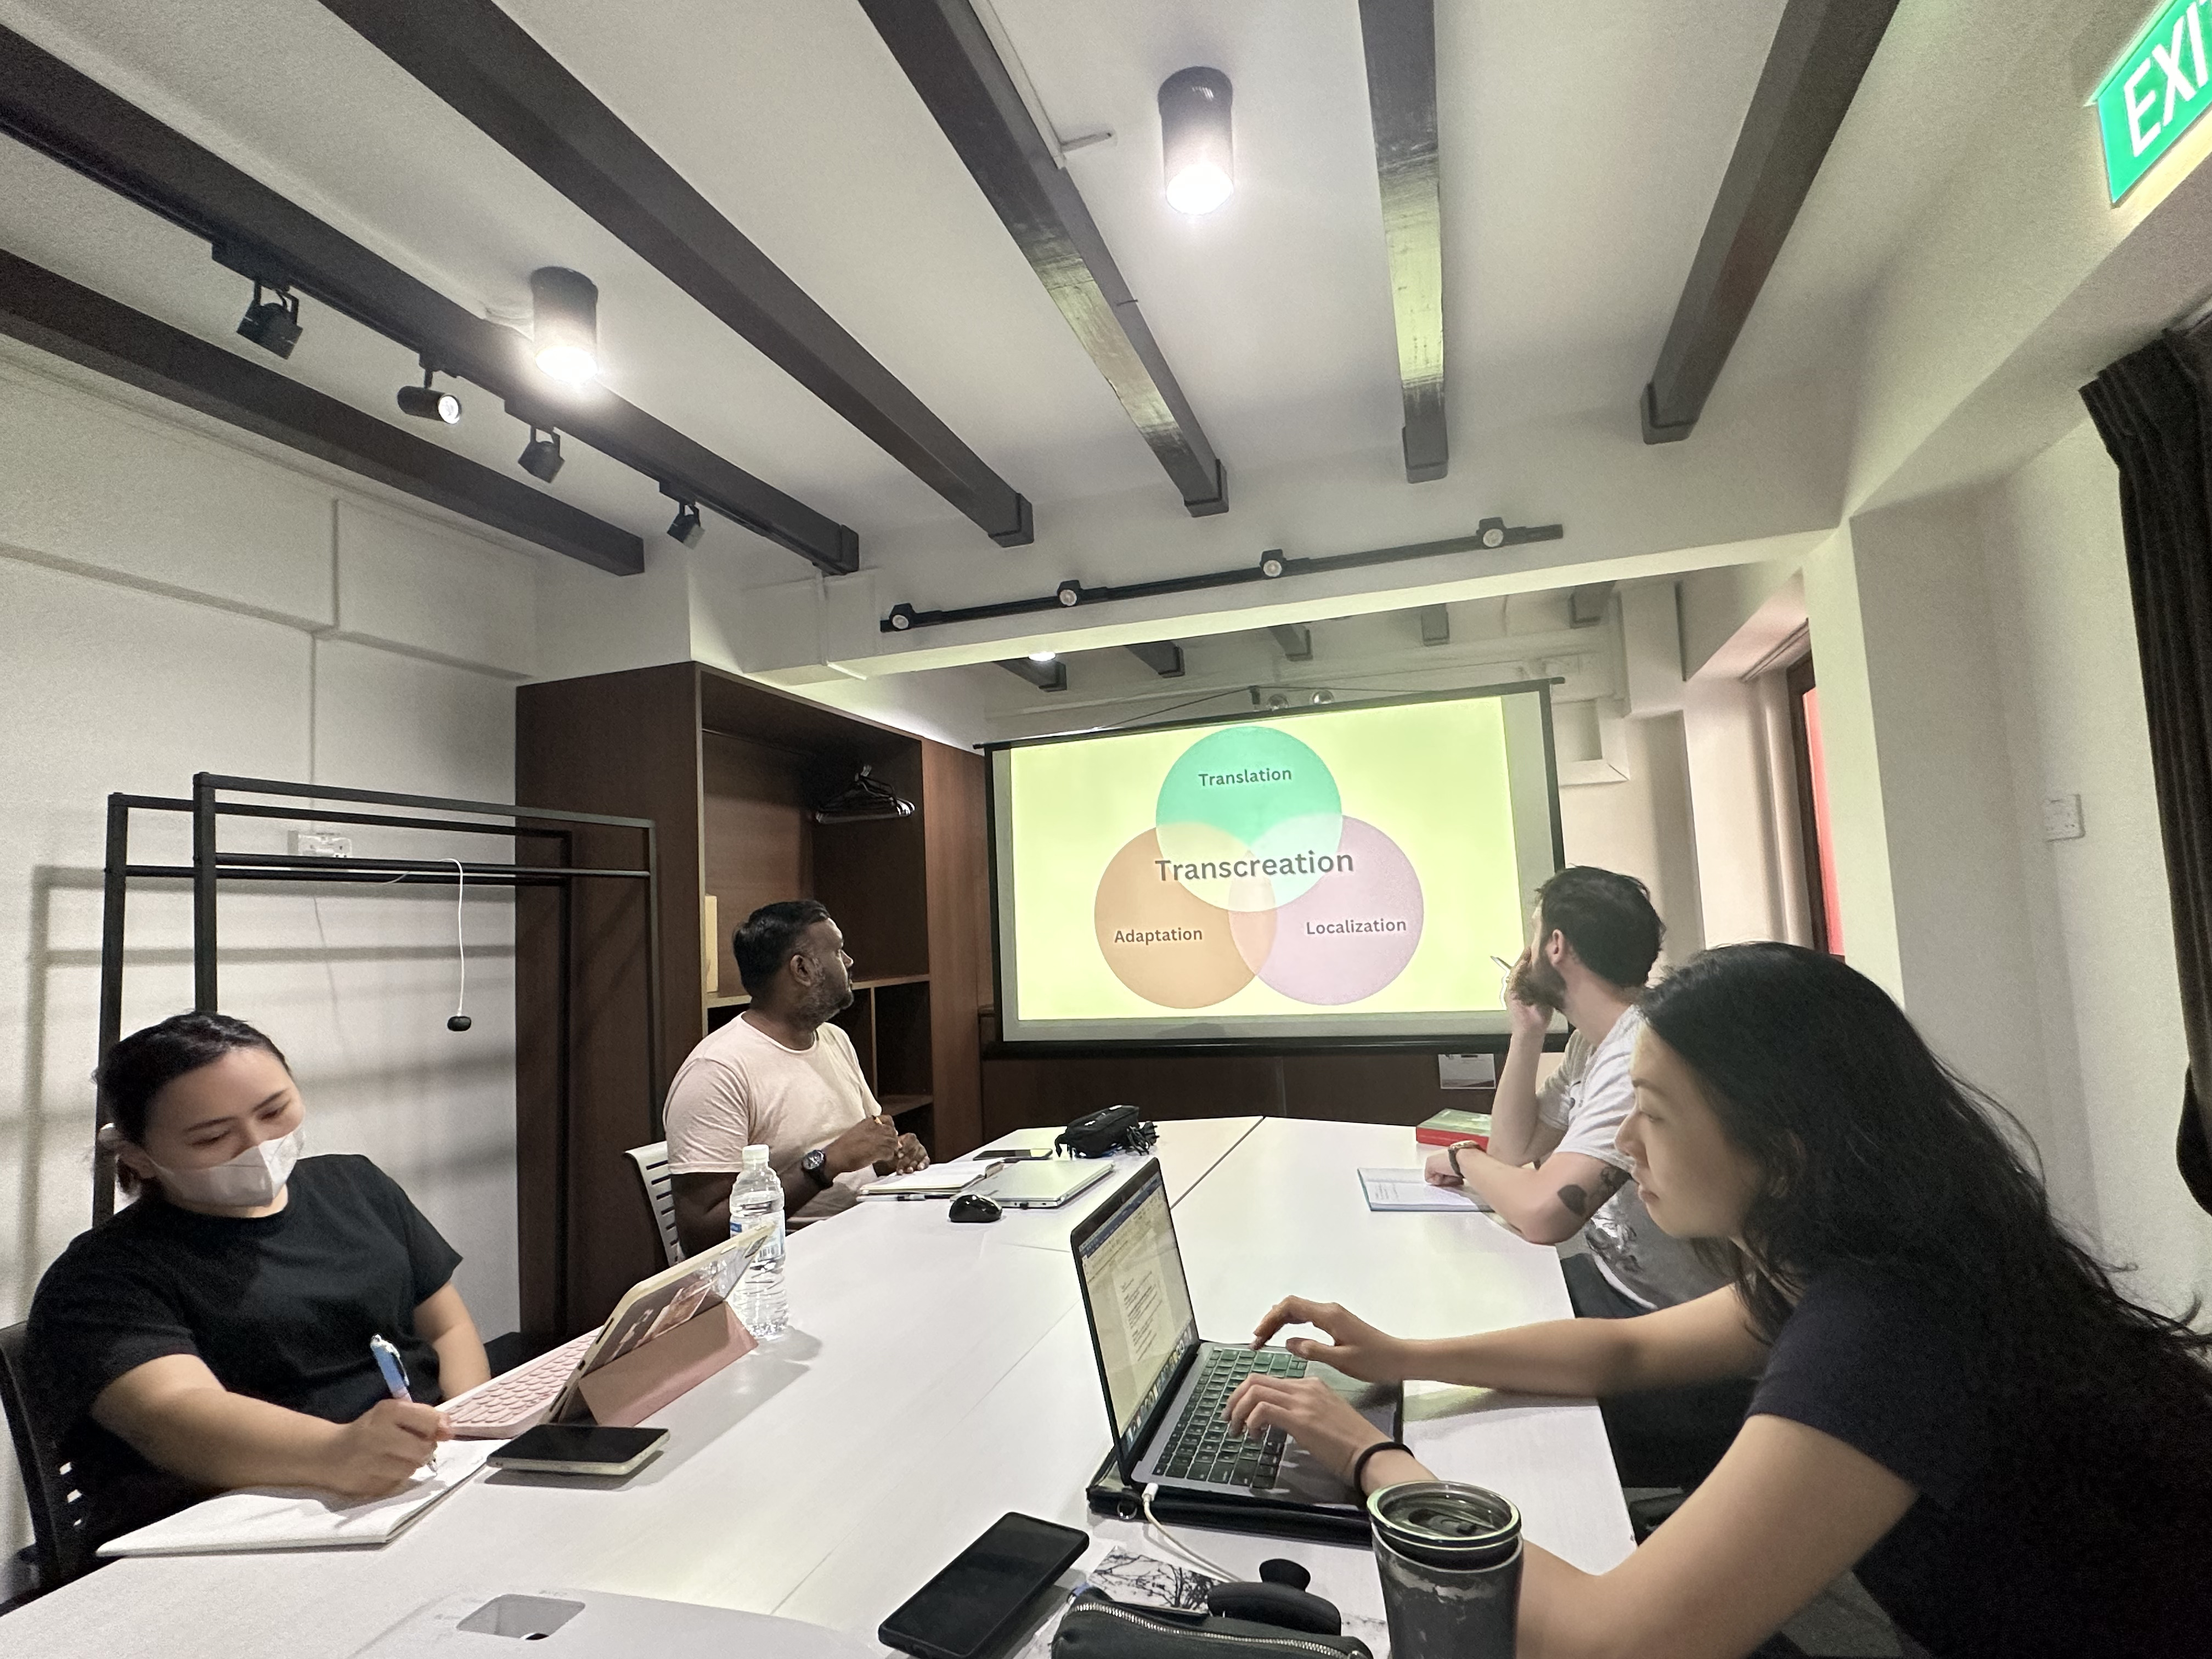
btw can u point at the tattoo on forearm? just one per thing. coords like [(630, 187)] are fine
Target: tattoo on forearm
[(1580, 1204)]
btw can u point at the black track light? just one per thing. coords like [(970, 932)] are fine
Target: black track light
[(541, 456), (685, 527), (272, 325), (426, 403), (564, 325), (1194, 140)]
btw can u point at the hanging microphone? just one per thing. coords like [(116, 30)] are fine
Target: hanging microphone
[(459, 1021)]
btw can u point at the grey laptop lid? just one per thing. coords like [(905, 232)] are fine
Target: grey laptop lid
[(1043, 1183)]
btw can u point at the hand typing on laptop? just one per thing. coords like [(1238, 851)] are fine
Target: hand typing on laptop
[(1315, 1415), (1354, 1347)]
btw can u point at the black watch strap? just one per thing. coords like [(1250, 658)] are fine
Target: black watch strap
[(816, 1166)]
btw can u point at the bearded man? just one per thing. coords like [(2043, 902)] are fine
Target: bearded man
[(1552, 1170), (779, 1075)]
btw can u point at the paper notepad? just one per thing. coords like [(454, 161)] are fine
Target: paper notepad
[(298, 1519), (937, 1180), (1409, 1190)]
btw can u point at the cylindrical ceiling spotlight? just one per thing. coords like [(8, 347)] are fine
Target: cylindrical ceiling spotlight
[(426, 403), (1194, 140), (564, 328), (685, 526)]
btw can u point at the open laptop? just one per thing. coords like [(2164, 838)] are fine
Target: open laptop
[(550, 1389), (1165, 1388)]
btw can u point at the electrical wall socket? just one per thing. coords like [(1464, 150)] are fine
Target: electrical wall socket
[(311, 844), (2061, 818)]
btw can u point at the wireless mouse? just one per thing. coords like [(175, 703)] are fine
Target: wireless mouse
[(974, 1207)]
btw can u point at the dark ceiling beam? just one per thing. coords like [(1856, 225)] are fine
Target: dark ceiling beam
[(942, 47), (1436, 624), (1294, 640), (1045, 676), (69, 116), (483, 63), (59, 316), (1399, 37), (1163, 658), (1821, 53)]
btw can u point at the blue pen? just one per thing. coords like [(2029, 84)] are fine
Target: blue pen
[(395, 1377)]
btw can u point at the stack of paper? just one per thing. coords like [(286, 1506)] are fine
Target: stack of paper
[(1409, 1190)]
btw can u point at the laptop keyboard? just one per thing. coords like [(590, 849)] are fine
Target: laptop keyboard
[(1202, 1447), (513, 1395)]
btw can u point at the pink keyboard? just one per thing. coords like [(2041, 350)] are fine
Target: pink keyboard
[(517, 1399)]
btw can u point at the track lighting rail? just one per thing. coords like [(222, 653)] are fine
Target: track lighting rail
[(1273, 565), (66, 114)]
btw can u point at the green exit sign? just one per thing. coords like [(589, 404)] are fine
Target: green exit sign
[(2156, 92)]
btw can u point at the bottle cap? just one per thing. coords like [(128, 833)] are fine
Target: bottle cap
[(756, 1157)]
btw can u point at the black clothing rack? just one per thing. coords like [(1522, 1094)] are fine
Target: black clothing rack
[(210, 867)]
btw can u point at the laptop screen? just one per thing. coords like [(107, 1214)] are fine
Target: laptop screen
[(1140, 1303)]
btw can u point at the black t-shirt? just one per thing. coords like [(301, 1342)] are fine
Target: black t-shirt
[(280, 1307), (2028, 1539)]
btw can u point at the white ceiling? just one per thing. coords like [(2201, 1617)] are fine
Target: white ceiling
[(1582, 150)]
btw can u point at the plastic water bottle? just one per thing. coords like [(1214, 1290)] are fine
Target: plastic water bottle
[(758, 1197)]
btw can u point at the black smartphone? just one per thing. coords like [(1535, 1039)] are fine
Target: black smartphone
[(578, 1448), (975, 1600)]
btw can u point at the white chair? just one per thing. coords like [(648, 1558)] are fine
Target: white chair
[(651, 1163)]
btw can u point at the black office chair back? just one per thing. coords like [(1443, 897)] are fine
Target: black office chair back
[(61, 1529)]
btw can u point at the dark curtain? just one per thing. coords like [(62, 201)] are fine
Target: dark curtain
[(2153, 410)]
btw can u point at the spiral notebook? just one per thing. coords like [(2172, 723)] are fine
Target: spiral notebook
[(299, 1519)]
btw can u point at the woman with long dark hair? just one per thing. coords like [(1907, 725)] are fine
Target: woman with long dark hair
[(1954, 1397)]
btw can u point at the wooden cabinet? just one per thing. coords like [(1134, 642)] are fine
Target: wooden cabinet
[(730, 771)]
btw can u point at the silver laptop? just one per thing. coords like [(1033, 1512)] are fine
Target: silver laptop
[(1166, 1389), (1041, 1183)]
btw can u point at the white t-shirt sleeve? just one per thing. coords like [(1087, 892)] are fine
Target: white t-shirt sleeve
[(1606, 1096), (1555, 1100), (709, 1119)]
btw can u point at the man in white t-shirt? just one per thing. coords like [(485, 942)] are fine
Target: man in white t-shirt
[(779, 1075), (1552, 1170)]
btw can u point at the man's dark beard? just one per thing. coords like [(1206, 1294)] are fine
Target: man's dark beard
[(824, 1003), (1538, 984)]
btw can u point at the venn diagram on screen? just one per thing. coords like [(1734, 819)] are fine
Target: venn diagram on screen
[(1253, 870)]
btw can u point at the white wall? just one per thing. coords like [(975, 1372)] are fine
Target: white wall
[(1965, 955), (2096, 910), (172, 602), (1640, 826), (1976, 652)]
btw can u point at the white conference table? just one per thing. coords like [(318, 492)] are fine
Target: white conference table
[(935, 1378)]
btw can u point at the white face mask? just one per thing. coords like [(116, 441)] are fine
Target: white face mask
[(248, 1181)]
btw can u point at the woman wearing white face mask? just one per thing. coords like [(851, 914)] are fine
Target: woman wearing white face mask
[(215, 1333)]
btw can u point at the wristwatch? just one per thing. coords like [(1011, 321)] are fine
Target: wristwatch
[(1451, 1157), (816, 1164)]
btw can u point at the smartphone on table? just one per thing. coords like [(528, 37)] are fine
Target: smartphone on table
[(579, 1448), (975, 1600)]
